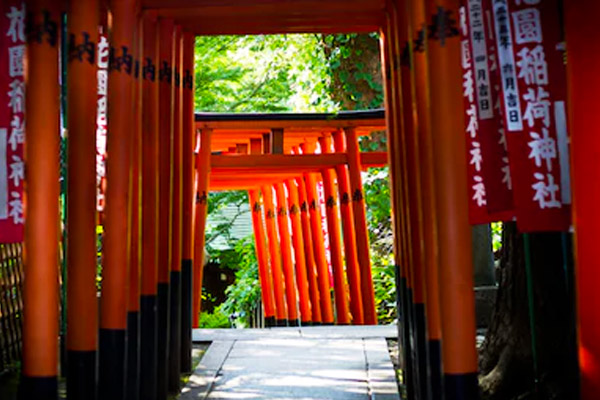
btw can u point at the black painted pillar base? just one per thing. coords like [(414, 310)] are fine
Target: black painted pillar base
[(162, 299), (186, 315), (133, 355), (175, 334), (111, 368), (148, 346), (81, 375), (270, 322), (316, 324), (293, 322), (435, 365), (282, 322), (461, 387), (421, 343), (408, 348), (306, 323), (38, 388)]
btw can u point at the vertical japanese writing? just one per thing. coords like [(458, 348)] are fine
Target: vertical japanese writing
[(103, 61), (537, 115), (478, 198), (480, 59), (3, 175), (512, 102), (12, 116)]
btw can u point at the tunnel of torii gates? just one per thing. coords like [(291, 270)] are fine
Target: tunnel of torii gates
[(476, 116)]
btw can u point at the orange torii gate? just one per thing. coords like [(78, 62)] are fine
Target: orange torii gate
[(280, 171), (150, 239)]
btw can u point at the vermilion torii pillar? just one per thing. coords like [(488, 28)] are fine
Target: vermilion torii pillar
[(133, 302), (309, 253), (299, 256), (360, 221), (201, 210), (262, 253), (275, 255), (262, 257), (113, 321), (286, 252), (40, 296), (454, 231), (189, 145), (352, 267), (402, 29), (394, 122), (82, 302), (175, 277), (318, 240), (150, 173), (166, 97), (430, 241), (335, 238), (584, 84)]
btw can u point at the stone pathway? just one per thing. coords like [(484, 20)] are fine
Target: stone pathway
[(295, 363)]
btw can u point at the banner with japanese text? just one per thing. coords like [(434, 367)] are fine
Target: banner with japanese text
[(490, 194), (101, 119), (12, 120), (533, 83)]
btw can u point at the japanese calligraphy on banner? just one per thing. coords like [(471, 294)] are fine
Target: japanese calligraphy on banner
[(530, 53), (12, 120), (101, 119), (483, 136)]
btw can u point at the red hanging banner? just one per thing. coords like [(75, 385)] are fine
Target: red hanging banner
[(496, 171), (12, 120), (530, 55), (486, 177)]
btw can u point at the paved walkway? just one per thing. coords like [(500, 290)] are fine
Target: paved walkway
[(317, 363)]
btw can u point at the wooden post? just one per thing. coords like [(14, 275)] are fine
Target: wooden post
[(352, 268), (360, 221), (166, 108), (133, 306), (201, 210), (318, 241), (286, 252), (309, 253), (582, 63), (150, 173), (176, 229), (113, 321), (262, 253), (189, 145), (429, 212), (394, 122), (82, 302), (411, 176), (262, 256), (335, 238), (454, 231), (40, 288), (299, 256), (276, 269)]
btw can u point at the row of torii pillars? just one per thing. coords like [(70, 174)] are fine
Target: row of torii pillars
[(287, 219), (433, 84)]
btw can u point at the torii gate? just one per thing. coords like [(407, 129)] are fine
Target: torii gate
[(155, 38)]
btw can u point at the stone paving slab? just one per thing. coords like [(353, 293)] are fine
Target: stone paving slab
[(315, 332), (316, 363)]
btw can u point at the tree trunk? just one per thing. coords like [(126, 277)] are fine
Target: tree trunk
[(506, 359)]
